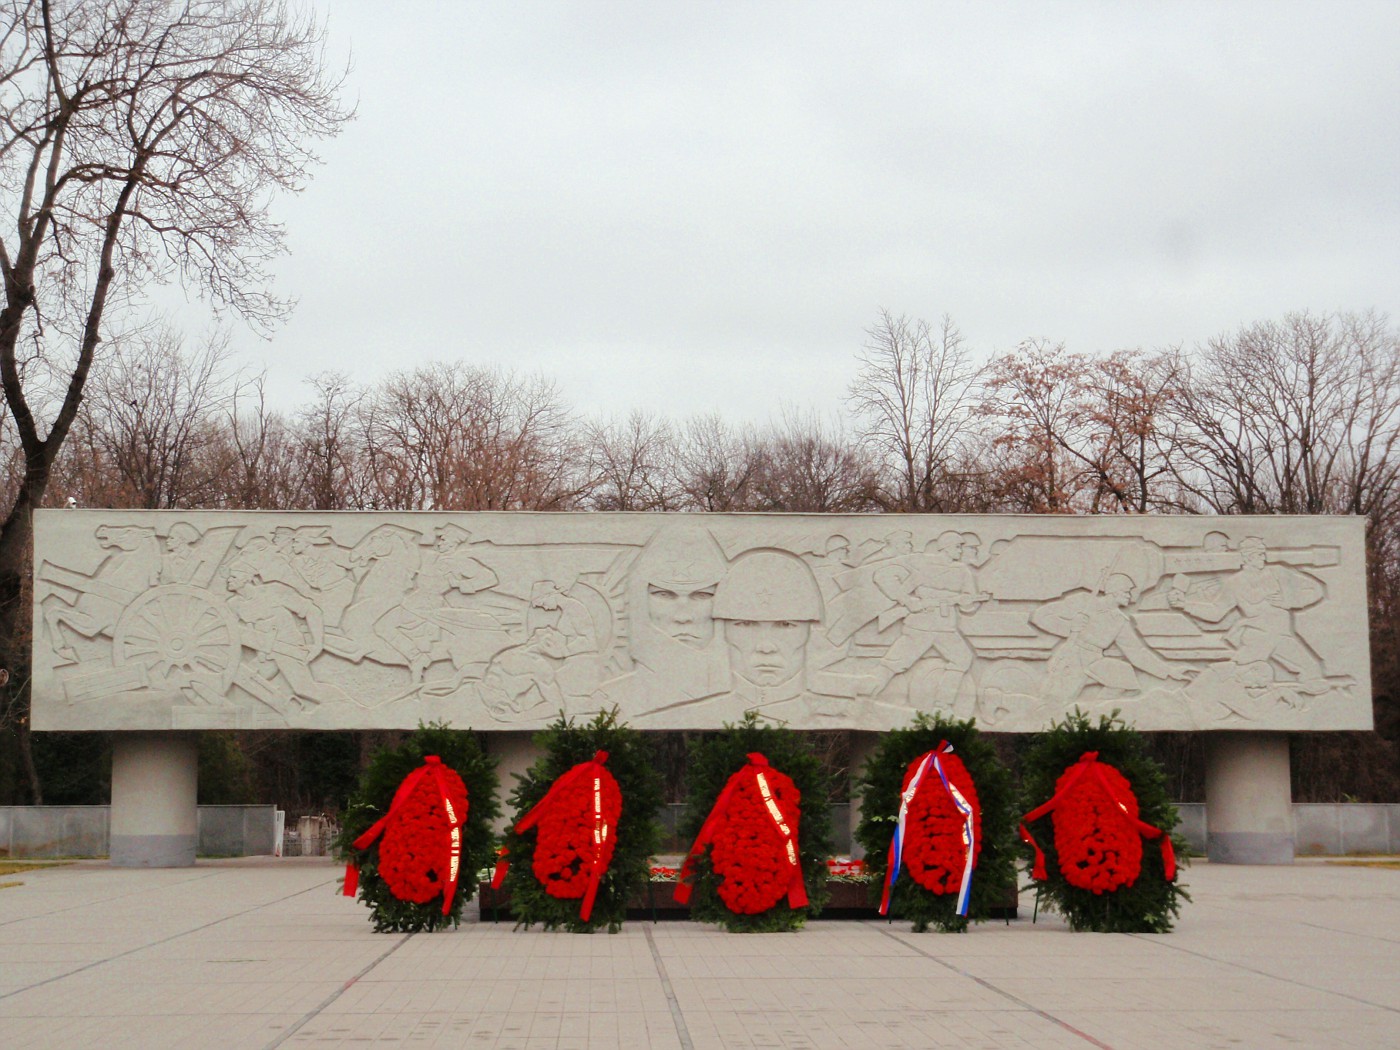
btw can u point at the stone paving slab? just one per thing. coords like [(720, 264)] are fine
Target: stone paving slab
[(263, 953)]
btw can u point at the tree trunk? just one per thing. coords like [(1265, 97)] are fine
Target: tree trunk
[(16, 549)]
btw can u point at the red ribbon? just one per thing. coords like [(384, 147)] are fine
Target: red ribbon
[(596, 770), (498, 875), (432, 765), (797, 890), (1089, 763)]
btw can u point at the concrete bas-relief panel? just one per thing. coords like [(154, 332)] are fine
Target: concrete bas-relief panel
[(208, 620)]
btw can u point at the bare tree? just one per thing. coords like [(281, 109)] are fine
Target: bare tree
[(331, 445), (1133, 439), (1076, 433), (150, 420), (139, 140), (454, 437), (717, 464), (914, 398), (256, 454), (1300, 416), (632, 464), (807, 464), (1033, 399)]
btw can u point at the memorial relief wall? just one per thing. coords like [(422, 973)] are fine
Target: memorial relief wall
[(221, 620)]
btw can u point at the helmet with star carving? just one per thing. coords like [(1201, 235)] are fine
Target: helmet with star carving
[(768, 585)]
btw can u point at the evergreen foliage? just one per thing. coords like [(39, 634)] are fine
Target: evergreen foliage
[(881, 783), (459, 751), (713, 760), (632, 762), (1149, 904)]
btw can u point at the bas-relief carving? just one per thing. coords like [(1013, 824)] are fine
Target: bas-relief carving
[(204, 620)]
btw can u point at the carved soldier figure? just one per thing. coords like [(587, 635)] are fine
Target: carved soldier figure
[(179, 559), (926, 594), (285, 630), (1265, 597), (1101, 645)]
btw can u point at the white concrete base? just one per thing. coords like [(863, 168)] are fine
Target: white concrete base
[(1249, 800), (155, 813), (514, 753)]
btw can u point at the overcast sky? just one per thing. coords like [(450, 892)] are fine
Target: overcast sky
[(701, 207)]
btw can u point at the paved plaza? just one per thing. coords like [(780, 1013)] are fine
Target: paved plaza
[(262, 953)]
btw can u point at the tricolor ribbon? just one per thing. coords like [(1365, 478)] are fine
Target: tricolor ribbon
[(432, 766), (797, 889), (596, 770), (1089, 763), (969, 833), (896, 857)]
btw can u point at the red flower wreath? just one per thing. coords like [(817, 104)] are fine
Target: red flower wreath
[(1098, 836), (577, 820), (421, 850), (752, 835), (933, 850)]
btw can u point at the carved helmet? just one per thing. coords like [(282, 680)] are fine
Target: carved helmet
[(768, 585)]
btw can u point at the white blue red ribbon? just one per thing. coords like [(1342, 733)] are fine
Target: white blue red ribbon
[(897, 843), (969, 834)]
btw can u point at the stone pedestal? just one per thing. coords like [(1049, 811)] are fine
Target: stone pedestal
[(514, 752), (863, 746), (155, 814), (1249, 801)]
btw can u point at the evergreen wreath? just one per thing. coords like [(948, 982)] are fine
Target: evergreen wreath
[(1091, 825), (399, 876), (925, 891), (802, 791), (547, 879)]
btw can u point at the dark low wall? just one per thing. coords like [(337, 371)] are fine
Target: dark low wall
[(84, 831)]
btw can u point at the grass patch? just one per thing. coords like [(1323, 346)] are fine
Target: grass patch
[(1388, 863), (16, 867)]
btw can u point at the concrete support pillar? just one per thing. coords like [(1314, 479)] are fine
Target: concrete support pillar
[(863, 745), (1249, 800), (514, 752), (155, 812)]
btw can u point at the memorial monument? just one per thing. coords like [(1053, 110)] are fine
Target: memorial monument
[(147, 622)]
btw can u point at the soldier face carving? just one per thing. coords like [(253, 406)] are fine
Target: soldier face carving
[(767, 652), (682, 611), (1253, 553), (1120, 589)]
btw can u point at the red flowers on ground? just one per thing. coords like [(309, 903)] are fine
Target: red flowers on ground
[(843, 869)]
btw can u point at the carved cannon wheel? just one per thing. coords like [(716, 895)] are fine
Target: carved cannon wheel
[(179, 631)]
